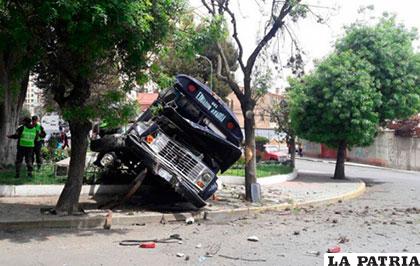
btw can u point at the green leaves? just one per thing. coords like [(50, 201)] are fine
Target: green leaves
[(336, 102), (387, 46), (372, 76), (96, 51)]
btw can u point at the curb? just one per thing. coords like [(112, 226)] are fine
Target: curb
[(358, 165), (98, 221), (263, 181), (53, 190), (223, 214)]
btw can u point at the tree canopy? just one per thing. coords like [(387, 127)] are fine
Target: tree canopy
[(396, 67), (372, 76), (336, 103), (174, 63), (188, 50)]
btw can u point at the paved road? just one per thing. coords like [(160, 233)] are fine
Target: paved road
[(385, 219)]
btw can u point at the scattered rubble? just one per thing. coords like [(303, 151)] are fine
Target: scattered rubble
[(335, 249), (253, 239), (108, 220), (343, 239), (148, 245), (189, 220)]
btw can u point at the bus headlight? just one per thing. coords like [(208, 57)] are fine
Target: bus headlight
[(204, 180)]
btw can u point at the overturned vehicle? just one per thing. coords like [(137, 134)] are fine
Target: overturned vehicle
[(184, 138)]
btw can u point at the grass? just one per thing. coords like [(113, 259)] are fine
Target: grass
[(45, 176), (263, 170)]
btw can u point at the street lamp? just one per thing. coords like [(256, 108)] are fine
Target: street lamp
[(211, 67)]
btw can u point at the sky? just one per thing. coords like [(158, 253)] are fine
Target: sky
[(315, 39)]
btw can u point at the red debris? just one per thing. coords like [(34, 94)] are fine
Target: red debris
[(148, 245), (335, 249)]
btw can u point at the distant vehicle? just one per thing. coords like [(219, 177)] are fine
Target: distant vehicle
[(51, 123), (274, 153)]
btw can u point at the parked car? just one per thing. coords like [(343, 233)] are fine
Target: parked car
[(184, 138), (273, 153)]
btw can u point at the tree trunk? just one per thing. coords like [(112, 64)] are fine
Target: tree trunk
[(250, 156), (292, 150), (12, 96), (69, 198), (341, 157)]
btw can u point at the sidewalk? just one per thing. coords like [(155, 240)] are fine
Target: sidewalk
[(333, 161), (307, 189)]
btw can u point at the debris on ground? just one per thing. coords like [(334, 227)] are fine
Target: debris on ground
[(108, 220), (198, 246), (253, 239), (213, 250), (296, 233), (138, 224), (343, 239), (335, 249), (187, 257), (314, 253), (180, 255), (189, 220), (243, 259), (148, 245), (163, 220), (175, 238)]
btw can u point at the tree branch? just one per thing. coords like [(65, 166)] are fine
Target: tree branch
[(209, 9), (292, 37), (235, 35), (221, 60), (278, 23)]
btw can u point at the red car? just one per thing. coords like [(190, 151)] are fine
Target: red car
[(273, 153)]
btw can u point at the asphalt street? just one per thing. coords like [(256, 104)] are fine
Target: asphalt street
[(384, 219)]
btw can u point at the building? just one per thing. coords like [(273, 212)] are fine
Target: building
[(263, 123), (146, 99), (34, 99)]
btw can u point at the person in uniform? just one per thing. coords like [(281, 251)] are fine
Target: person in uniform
[(26, 136), (39, 142)]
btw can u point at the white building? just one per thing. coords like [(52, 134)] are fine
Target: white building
[(33, 100)]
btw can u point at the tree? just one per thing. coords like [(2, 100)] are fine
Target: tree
[(86, 40), (336, 105), (280, 114), (189, 50), (386, 53), (20, 31), (249, 95), (175, 62), (388, 46)]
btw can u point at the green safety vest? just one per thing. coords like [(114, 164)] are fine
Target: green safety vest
[(27, 139), (103, 125), (39, 130)]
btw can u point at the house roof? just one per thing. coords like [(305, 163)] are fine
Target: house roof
[(146, 99)]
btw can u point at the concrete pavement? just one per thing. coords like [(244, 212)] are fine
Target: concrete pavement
[(24, 212)]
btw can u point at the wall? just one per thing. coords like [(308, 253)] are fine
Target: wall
[(387, 150), (261, 111)]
